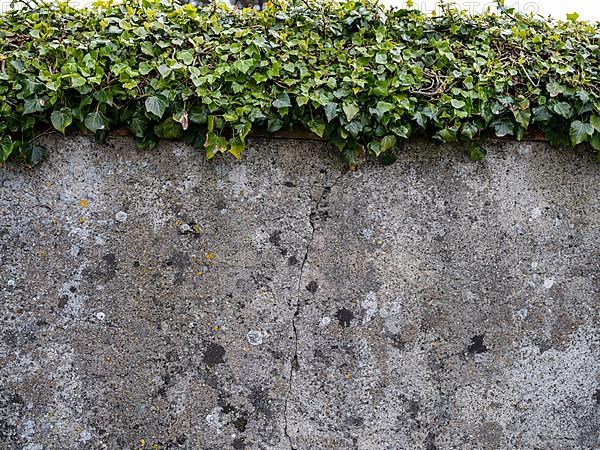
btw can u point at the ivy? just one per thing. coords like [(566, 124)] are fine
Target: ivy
[(360, 76)]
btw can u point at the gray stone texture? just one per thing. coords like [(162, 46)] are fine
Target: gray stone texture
[(156, 300)]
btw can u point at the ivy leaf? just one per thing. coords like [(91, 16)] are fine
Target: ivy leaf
[(580, 132), (402, 131), (554, 89), (383, 107), (572, 16), (61, 119), (104, 96), (138, 125), (169, 129), (198, 115), (33, 105), (541, 114), (6, 148), (350, 109), (77, 80), (523, 118), (448, 135), (182, 118), (469, 130), (186, 56), (34, 154), (316, 127), (563, 108), (282, 101), (214, 144), (301, 100), (595, 142), (330, 111), (503, 127), (156, 104), (381, 58), (387, 143), (595, 122), (243, 65), (236, 147), (457, 104), (94, 121), (476, 152)]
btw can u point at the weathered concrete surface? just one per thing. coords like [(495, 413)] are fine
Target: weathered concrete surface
[(156, 300)]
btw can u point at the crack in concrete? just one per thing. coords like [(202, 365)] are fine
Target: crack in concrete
[(294, 365)]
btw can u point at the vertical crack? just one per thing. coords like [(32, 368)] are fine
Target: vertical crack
[(294, 365)]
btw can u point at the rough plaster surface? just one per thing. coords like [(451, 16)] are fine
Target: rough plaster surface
[(157, 300)]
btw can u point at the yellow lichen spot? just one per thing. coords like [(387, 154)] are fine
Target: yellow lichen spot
[(199, 273), (84, 203), (42, 252), (53, 221), (347, 376), (49, 185), (379, 242), (142, 443), (82, 220), (215, 327), (210, 256), (178, 222)]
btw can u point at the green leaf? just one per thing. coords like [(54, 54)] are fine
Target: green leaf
[(34, 154), (236, 147), (381, 58), (541, 114), (554, 89), (401, 130), (301, 100), (469, 130), (243, 65), (6, 148), (448, 135), (316, 127), (138, 125), (477, 152), (187, 56), (595, 142), (503, 127), (387, 143), (77, 80), (61, 119), (350, 109), (563, 108), (282, 101), (458, 104), (104, 96), (214, 144), (383, 107), (156, 104), (94, 121), (198, 115), (580, 132), (33, 105), (169, 129), (330, 111), (523, 118), (572, 16), (595, 122)]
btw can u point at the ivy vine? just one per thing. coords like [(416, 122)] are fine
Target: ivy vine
[(358, 75)]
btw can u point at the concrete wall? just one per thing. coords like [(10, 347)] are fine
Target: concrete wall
[(157, 300)]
